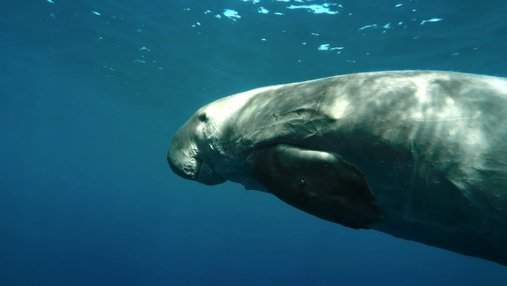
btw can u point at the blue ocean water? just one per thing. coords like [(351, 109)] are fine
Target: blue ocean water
[(91, 93)]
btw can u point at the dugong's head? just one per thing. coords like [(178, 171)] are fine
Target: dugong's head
[(189, 152), (196, 151)]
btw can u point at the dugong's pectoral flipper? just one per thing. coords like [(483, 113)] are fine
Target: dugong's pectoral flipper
[(317, 182)]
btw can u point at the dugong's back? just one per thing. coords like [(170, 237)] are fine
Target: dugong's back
[(452, 191), (454, 128)]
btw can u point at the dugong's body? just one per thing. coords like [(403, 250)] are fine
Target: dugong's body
[(421, 155)]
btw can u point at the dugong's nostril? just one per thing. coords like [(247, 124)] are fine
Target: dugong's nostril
[(203, 117)]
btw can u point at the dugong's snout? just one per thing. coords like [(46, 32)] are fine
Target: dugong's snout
[(184, 158)]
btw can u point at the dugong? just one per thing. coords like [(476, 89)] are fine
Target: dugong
[(421, 155)]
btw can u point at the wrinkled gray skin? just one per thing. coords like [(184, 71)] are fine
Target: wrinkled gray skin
[(421, 155)]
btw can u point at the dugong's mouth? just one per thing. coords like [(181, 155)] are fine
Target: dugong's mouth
[(195, 169), (187, 169), (206, 175)]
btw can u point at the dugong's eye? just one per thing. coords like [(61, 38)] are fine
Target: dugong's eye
[(202, 117)]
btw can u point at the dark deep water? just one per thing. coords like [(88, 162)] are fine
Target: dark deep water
[(91, 93)]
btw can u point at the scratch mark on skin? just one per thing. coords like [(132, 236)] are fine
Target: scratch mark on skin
[(318, 101)]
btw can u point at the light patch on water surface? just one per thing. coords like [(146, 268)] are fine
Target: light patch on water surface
[(231, 14), (432, 20), (327, 47), (315, 8), (263, 10), (371, 26), (298, 1), (96, 13), (375, 26), (324, 47)]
